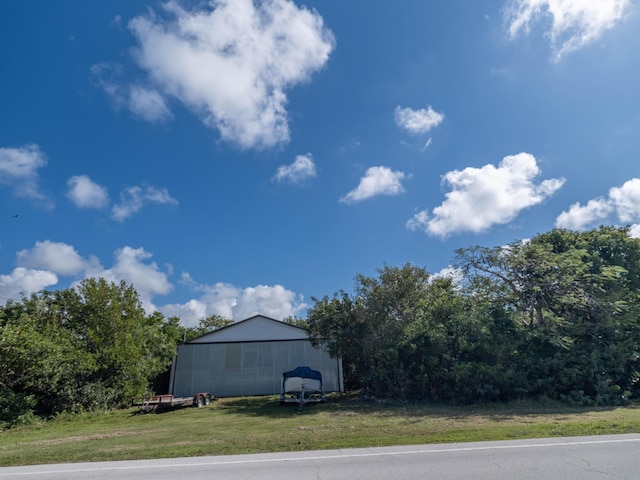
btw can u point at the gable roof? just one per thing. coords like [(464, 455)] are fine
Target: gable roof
[(254, 329)]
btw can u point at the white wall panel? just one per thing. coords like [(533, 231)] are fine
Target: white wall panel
[(255, 368)]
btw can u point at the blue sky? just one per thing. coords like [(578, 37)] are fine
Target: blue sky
[(241, 157)]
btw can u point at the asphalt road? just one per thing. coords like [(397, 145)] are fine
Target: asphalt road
[(575, 458)]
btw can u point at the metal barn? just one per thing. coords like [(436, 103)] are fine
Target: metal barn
[(249, 358)]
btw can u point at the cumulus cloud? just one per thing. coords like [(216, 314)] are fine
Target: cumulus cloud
[(84, 193), (376, 181), (19, 171), (578, 217), (236, 303), (131, 265), (117, 21), (574, 23), (144, 102), (40, 267), (230, 62), (622, 202), (626, 200), (417, 121), (487, 196), (455, 274), (56, 257), (109, 76), (24, 281), (301, 169), (148, 104), (133, 199)]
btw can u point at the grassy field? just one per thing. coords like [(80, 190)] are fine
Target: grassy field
[(260, 424)]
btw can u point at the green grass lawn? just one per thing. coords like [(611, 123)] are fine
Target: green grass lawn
[(260, 424)]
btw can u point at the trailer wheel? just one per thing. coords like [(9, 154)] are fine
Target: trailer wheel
[(199, 401)]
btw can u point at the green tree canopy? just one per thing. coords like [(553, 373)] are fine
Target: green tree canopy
[(209, 324), (554, 316), (83, 348)]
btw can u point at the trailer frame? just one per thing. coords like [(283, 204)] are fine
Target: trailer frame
[(154, 403)]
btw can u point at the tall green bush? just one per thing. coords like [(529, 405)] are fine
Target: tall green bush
[(88, 348)]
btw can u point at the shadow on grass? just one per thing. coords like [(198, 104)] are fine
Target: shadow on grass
[(353, 404), (270, 406), (266, 406)]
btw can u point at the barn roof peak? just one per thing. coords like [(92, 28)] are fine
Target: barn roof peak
[(258, 328)]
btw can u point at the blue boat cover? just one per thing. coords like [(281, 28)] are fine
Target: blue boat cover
[(304, 372)]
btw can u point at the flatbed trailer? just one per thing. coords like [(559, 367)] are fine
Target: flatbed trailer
[(158, 402)]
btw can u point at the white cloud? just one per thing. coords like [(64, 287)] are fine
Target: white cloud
[(24, 281), (117, 21), (634, 231), (301, 169), (84, 193), (574, 23), (626, 200), (273, 301), (622, 201), (579, 217), (237, 303), (420, 221), (19, 171), (376, 181), (482, 197), (133, 266), (231, 62), (455, 274), (148, 104), (47, 259), (132, 200), (108, 76), (144, 102), (417, 121), (56, 257), (130, 266)]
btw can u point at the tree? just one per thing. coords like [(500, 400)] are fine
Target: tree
[(80, 349), (296, 321), (577, 296), (554, 316), (211, 323), (387, 306), (406, 334), (333, 324), (379, 331), (43, 370), (116, 331)]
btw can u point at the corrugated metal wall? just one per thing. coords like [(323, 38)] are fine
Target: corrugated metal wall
[(251, 368)]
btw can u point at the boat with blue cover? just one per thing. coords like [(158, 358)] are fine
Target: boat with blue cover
[(302, 385)]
